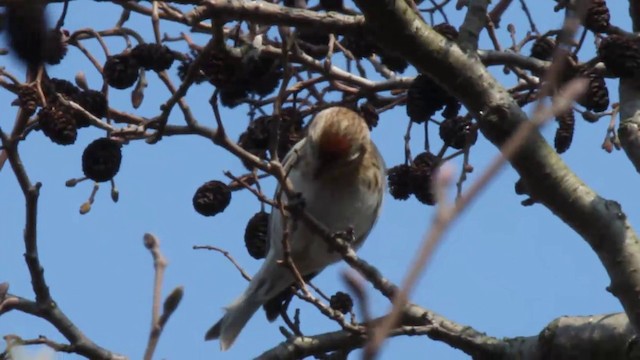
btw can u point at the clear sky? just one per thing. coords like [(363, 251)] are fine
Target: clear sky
[(503, 269)]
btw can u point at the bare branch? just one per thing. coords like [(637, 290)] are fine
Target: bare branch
[(266, 13)]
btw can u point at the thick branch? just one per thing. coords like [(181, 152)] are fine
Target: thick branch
[(629, 129), (267, 13), (474, 22), (599, 221), (608, 336)]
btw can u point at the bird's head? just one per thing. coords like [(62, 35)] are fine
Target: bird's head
[(339, 139)]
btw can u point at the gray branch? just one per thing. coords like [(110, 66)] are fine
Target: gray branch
[(474, 21), (267, 13), (629, 129), (607, 336), (601, 222)]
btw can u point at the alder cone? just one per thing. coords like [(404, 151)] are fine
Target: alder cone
[(101, 159), (121, 71), (597, 17), (342, 302), (256, 235), (564, 133), (621, 55), (447, 30), (399, 181), (596, 97), (153, 56), (542, 48), (424, 98), (212, 198), (458, 132), (58, 124), (28, 99)]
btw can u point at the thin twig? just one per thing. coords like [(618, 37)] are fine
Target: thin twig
[(228, 256), (159, 265)]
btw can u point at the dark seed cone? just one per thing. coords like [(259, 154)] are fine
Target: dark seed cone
[(313, 36), (61, 86), (256, 138), (621, 55), (596, 97), (58, 124), (458, 131), (55, 47), (542, 48), (399, 180), (232, 96), (290, 130), (199, 77), (263, 75), (26, 24), (424, 98), (421, 177), (597, 17), (211, 198), (248, 143), (259, 131), (342, 302), (121, 71), (370, 115), (360, 45), (332, 5), (564, 133), (313, 42), (223, 69), (451, 109), (256, 235), (393, 62), (447, 30), (426, 159), (94, 102), (153, 56), (28, 99), (101, 159)]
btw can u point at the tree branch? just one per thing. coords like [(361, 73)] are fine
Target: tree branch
[(44, 306), (474, 22), (266, 13), (607, 336), (599, 221), (629, 128)]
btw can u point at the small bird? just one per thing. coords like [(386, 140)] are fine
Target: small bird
[(339, 173)]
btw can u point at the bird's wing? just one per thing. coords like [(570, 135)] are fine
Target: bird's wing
[(275, 218)]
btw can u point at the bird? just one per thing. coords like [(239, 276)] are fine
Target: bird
[(339, 174)]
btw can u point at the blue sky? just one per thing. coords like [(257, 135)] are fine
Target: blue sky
[(504, 269)]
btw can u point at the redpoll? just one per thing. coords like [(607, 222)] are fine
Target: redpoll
[(340, 174)]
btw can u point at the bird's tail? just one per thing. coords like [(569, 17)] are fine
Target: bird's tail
[(236, 317), (268, 282)]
